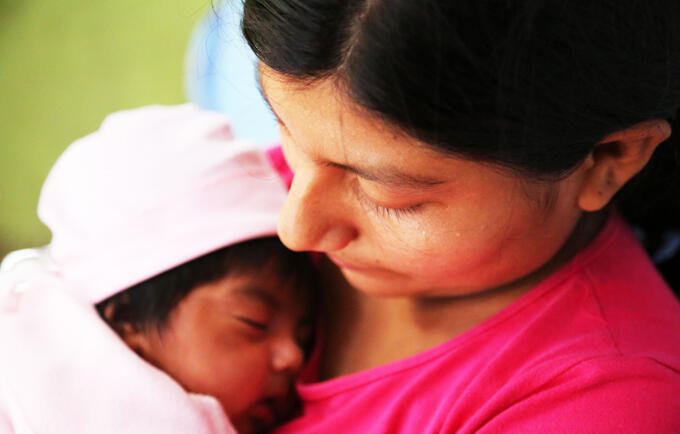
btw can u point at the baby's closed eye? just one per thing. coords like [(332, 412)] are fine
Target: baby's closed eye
[(258, 324)]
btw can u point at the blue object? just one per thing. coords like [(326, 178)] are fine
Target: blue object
[(221, 74)]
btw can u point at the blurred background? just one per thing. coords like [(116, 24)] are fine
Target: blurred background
[(64, 65)]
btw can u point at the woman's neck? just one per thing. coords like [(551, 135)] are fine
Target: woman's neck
[(364, 331)]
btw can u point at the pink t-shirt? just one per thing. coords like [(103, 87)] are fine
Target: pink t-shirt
[(595, 348)]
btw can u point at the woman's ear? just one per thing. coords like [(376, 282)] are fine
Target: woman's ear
[(616, 159)]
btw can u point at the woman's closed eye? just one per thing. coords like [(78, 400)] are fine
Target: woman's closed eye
[(395, 212), (383, 210)]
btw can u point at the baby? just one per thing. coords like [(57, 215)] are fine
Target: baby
[(163, 227)]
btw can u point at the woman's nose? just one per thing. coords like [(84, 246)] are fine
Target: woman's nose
[(312, 218)]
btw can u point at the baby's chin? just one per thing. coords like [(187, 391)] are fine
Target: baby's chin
[(260, 418), (243, 425)]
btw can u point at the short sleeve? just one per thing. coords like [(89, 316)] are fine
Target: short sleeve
[(612, 395)]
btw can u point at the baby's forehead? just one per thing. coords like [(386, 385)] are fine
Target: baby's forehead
[(294, 275), (276, 289)]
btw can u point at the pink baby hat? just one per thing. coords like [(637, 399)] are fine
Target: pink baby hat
[(151, 189)]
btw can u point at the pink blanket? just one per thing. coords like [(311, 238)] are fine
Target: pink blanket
[(63, 370)]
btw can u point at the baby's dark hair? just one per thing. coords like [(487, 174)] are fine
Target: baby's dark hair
[(528, 85), (147, 305)]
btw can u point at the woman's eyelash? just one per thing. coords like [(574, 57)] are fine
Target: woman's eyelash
[(386, 211), (395, 212)]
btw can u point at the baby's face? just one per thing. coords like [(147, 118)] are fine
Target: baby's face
[(240, 340)]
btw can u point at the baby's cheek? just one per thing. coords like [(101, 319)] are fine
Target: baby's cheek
[(243, 377)]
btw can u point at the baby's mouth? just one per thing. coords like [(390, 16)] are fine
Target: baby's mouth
[(263, 416)]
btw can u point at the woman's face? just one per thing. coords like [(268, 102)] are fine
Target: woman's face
[(398, 217)]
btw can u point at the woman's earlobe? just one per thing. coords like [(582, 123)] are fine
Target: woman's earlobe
[(599, 183), (616, 159)]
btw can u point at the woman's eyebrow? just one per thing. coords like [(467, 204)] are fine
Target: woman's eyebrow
[(388, 176), (259, 294)]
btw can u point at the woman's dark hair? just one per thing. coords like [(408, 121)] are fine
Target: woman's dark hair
[(530, 85), (148, 304)]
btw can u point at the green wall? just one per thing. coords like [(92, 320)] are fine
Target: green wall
[(63, 66)]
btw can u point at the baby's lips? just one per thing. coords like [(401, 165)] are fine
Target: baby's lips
[(263, 412)]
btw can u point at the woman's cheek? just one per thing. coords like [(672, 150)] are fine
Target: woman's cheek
[(413, 245), (437, 247), (434, 230)]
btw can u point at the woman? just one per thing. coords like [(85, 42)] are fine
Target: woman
[(456, 161)]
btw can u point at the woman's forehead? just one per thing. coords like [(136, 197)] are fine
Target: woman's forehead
[(319, 121), (322, 123)]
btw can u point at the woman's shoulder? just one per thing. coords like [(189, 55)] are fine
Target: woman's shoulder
[(608, 303), (606, 394), (599, 350), (623, 292)]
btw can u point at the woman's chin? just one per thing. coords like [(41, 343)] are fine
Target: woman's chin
[(378, 281), (382, 283)]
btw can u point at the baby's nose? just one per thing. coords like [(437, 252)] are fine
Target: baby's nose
[(288, 356)]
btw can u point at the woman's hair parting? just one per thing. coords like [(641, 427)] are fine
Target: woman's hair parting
[(147, 305), (529, 85)]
